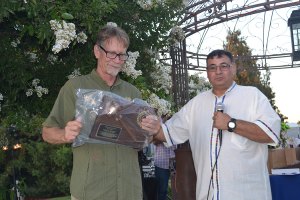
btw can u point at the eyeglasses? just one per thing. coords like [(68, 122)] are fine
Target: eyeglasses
[(222, 67), (113, 55)]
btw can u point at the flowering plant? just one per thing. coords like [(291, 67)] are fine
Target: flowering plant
[(176, 35), (285, 139)]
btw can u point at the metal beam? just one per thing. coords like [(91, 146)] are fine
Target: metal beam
[(208, 13)]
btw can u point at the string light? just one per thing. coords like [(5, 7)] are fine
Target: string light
[(4, 148), (17, 146)]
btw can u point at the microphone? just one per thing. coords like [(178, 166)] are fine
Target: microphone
[(220, 108)]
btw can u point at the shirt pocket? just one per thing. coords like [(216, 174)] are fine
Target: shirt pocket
[(238, 141)]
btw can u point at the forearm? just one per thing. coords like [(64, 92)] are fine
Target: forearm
[(54, 135), (252, 132)]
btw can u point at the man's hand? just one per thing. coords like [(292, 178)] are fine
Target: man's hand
[(151, 123), (220, 120), (72, 129)]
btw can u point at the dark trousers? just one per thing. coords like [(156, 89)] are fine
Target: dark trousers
[(162, 179)]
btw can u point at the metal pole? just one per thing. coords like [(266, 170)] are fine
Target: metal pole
[(14, 176)]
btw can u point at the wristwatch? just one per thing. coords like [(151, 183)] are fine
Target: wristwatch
[(231, 125)]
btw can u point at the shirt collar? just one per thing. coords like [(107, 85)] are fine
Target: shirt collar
[(227, 91), (95, 76)]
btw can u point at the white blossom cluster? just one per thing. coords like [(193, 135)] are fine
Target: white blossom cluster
[(81, 37), (163, 106), (15, 43), (1, 99), (153, 53), (32, 56), (36, 88), (148, 4), (162, 77), (74, 74), (52, 58), (129, 65), (65, 33), (198, 84), (145, 4), (176, 35)]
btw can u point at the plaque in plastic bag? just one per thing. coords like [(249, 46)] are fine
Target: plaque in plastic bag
[(115, 119)]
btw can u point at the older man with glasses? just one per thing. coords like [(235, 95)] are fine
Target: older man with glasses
[(229, 128), (103, 171)]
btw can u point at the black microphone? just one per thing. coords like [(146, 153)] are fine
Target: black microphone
[(220, 108)]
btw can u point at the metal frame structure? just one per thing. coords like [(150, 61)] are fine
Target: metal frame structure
[(200, 15)]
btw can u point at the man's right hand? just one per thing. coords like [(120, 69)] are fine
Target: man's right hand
[(72, 129), (56, 135)]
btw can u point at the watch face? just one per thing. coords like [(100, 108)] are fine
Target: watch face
[(231, 125)]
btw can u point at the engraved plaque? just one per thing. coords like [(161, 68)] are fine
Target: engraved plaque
[(107, 131), (120, 123)]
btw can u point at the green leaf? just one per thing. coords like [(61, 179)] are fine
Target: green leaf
[(67, 16)]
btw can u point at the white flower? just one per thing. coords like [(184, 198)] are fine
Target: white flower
[(32, 56), (39, 90), (45, 90), (176, 35), (52, 58), (198, 84), (113, 24), (163, 106), (162, 77), (39, 93), (129, 65), (15, 43), (64, 32), (145, 4), (29, 92), (35, 82), (153, 53), (74, 74), (81, 37)]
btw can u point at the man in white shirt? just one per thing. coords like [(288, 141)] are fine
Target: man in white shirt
[(229, 128)]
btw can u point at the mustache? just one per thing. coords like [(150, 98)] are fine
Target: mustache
[(117, 65)]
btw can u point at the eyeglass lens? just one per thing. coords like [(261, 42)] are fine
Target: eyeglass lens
[(113, 55)]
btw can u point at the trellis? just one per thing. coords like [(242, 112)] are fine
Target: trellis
[(200, 15)]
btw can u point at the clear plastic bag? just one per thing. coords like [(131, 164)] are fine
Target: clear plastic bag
[(109, 118)]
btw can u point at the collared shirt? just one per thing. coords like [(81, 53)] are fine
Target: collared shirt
[(162, 155), (240, 165), (100, 171)]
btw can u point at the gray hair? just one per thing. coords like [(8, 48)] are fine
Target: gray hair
[(107, 32)]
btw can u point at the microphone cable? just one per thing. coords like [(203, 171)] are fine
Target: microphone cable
[(219, 107), (214, 166)]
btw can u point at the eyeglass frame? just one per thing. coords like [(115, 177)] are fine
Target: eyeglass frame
[(223, 67), (113, 54)]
